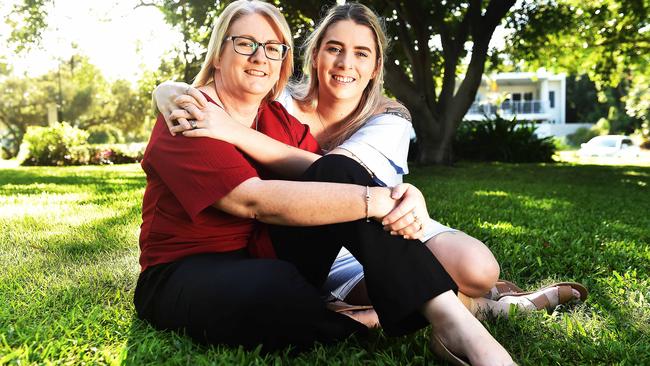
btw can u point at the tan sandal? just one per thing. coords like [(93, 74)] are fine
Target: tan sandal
[(502, 288), (565, 295)]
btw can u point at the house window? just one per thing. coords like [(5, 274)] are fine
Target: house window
[(528, 96), (551, 99)]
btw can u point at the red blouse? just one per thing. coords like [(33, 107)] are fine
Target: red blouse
[(186, 176)]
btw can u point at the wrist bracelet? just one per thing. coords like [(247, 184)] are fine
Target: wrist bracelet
[(367, 204)]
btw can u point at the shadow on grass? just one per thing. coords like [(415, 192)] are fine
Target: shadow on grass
[(147, 345)]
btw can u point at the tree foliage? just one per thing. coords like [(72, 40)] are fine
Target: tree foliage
[(28, 21), (83, 98), (607, 40), (193, 19)]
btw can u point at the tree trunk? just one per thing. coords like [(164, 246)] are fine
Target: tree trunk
[(437, 117)]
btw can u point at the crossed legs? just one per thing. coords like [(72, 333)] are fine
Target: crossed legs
[(406, 283)]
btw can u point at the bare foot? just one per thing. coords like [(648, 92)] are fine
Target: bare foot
[(462, 334), (368, 318)]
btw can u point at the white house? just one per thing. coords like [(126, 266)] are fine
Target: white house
[(534, 96)]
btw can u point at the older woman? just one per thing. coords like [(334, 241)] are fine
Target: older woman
[(202, 194)]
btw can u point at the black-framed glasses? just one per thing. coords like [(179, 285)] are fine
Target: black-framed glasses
[(247, 46)]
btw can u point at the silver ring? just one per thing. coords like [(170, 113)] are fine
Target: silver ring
[(415, 217), (187, 91), (193, 124)]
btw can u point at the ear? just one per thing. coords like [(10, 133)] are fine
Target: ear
[(216, 63), (377, 66), (314, 59)]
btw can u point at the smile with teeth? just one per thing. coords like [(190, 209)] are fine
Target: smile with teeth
[(343, 79), (255, 72)]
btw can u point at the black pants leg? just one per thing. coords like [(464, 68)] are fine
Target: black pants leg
[(401, 275), (231, 299)]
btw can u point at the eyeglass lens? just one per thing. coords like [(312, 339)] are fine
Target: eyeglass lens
[(246, 46)]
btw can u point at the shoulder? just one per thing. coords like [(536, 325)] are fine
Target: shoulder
[(393, 107), (277, 123)]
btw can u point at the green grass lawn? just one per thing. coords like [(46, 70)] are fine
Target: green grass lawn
[(69, 262)]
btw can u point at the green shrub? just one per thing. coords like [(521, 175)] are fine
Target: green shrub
[(602, 126), (105, 134), (60, 144), (584, 134), (581, 135), (561, 144), (498, 139), (116, 153)]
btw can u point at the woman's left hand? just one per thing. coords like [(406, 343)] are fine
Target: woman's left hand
[(410, 216)]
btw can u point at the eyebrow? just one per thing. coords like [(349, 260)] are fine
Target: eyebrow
[(364, 48), (256, 40)]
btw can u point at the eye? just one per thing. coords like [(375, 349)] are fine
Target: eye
[(334, 50), (242, 42), (274, 48), (361, 54)]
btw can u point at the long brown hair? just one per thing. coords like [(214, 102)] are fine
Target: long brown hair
[(305, 91)]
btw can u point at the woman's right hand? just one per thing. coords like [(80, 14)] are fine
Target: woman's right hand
[(170, 96), (410, 216), (215, 123)]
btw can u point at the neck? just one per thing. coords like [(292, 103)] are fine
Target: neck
[(335, 111)]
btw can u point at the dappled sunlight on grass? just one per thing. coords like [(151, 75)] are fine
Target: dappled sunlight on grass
[(503, 228), (547, 204), (571, 156), (491, 193), (634, 173), (45, 204), (69, 270)]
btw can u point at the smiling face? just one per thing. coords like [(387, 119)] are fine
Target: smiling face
[(346, 60), (254, 75)]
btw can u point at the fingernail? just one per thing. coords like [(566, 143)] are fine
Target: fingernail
[(385, 222), (393, 233)]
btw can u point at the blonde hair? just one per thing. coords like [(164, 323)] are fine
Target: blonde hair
[(232, 13), (306, 90)]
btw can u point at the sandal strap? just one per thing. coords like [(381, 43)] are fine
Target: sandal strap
[(565, 293), (541, 302)]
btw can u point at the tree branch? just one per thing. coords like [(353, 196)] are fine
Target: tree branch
[(424, 75)]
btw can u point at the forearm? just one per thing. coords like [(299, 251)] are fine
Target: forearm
[(281, 158), (305, 203)]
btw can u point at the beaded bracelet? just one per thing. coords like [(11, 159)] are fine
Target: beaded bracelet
[(367, 204)]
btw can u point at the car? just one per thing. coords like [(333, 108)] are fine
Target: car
[(609, 146)]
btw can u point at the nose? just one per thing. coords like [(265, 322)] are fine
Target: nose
[(344, 60), (258, 56)]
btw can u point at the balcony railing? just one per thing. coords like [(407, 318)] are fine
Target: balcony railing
[(509, 107)]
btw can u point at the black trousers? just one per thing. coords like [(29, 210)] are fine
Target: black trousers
[(232, 299), (401, 275)]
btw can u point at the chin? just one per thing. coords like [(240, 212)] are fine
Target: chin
[(346, 94), (258, 90)]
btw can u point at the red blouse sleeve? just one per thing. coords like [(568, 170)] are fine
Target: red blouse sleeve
[(198, 171), (294, 133)]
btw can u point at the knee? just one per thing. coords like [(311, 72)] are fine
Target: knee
[(339, 169), (480, 274)]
